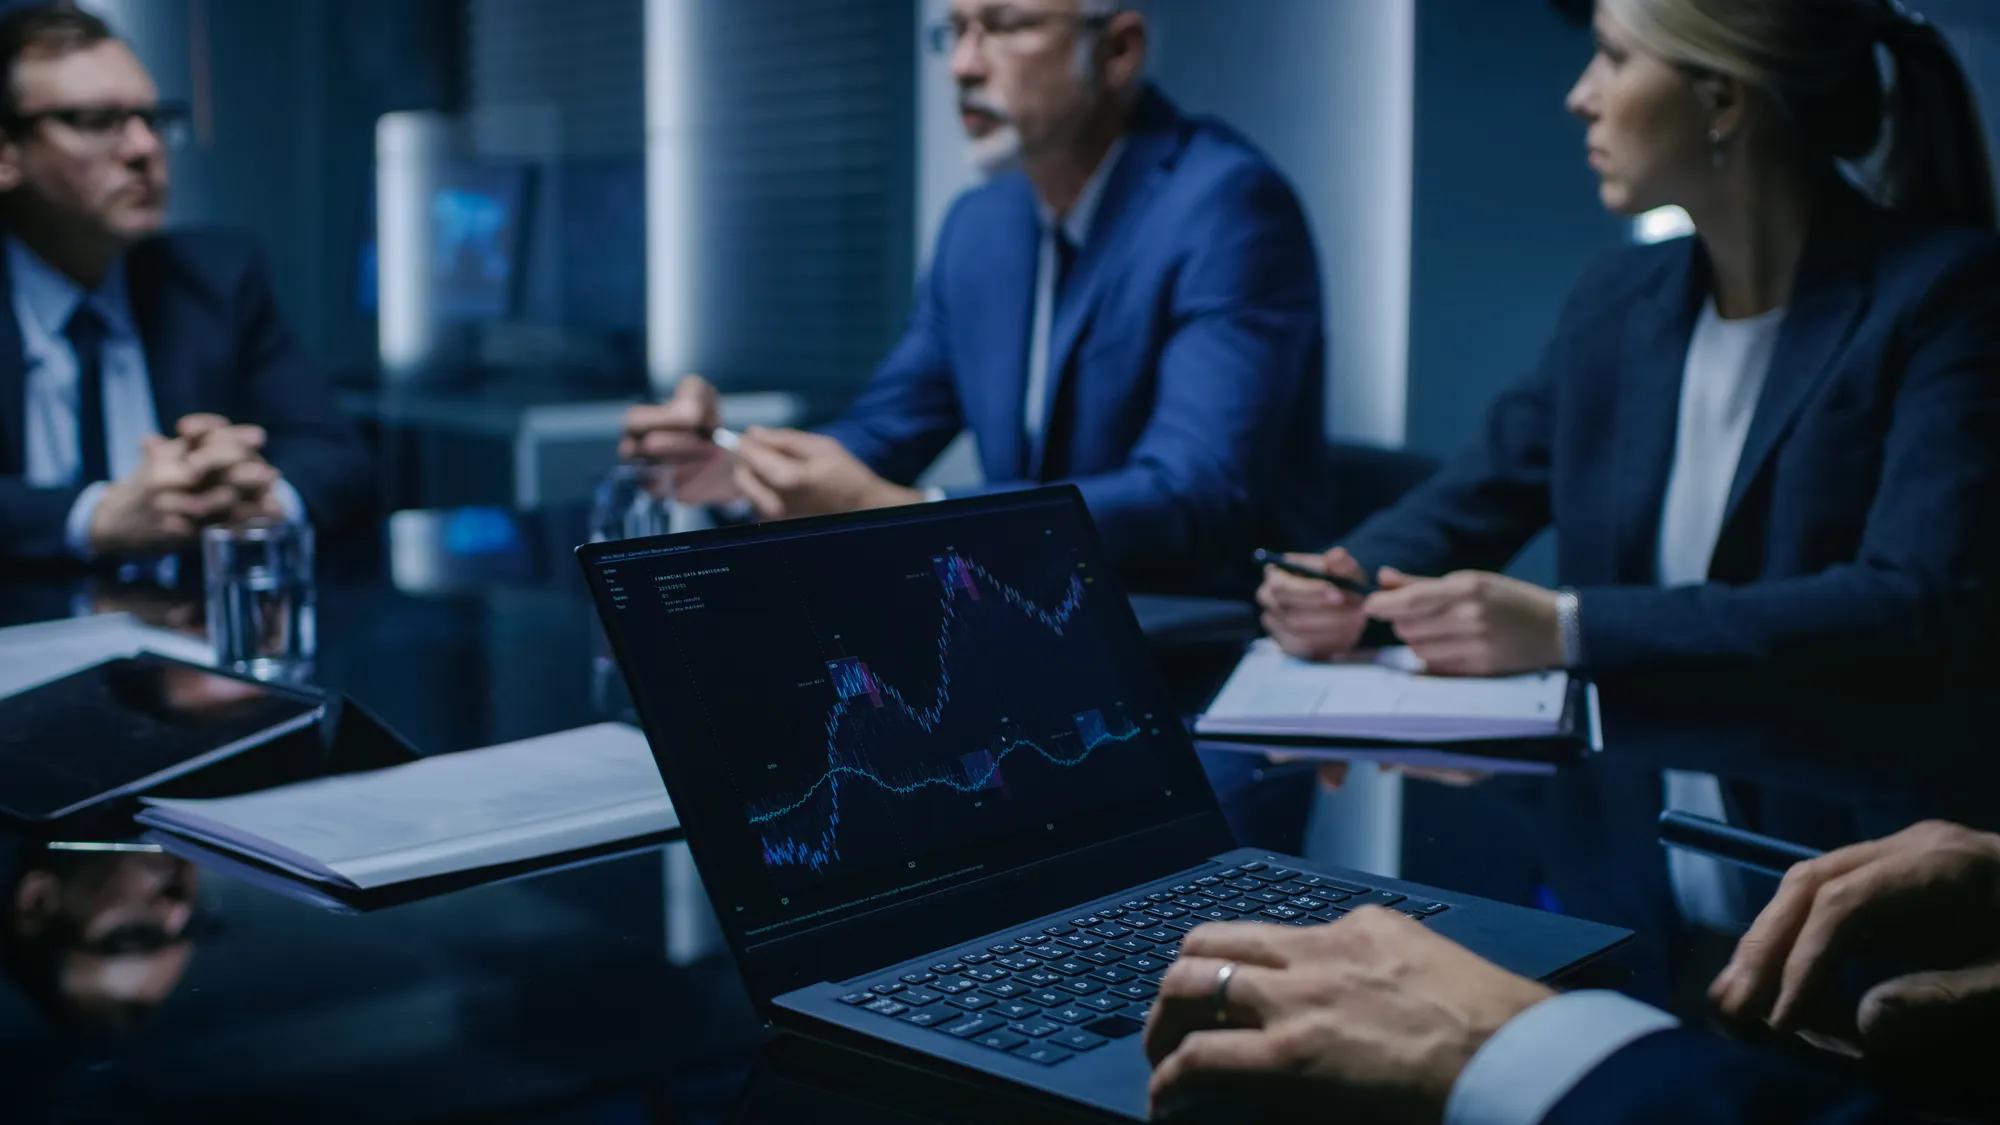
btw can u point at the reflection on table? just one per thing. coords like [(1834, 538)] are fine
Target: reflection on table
[(143, 986)]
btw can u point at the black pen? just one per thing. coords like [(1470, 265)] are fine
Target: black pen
[(1273, 558), (1731, 844)]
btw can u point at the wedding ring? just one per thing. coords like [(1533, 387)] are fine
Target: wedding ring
[(1221, 991)]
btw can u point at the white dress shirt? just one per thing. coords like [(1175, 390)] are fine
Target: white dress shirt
[(1727, 363), (44, 300), (1075, 227), (1539, 1056)]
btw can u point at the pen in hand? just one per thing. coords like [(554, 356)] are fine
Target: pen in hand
[(1275, 559)]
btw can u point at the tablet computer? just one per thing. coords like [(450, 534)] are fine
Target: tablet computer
[(125, 725)]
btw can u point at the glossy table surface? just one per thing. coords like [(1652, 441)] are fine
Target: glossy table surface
[(600, 991)]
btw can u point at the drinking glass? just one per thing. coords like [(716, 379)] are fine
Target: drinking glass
[(260, 598)]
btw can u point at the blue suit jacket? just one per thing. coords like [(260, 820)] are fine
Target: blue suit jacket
[(1829, 658), (213, 342), (1678, 1076), (1187, 357)]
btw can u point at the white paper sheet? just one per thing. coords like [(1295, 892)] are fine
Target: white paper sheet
[(1381, 695), (32, 655), (453, 812)]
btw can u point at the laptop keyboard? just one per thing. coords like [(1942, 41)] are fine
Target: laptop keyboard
[(1073, 986)]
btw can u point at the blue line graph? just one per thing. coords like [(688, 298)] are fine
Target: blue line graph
[(860, 692)]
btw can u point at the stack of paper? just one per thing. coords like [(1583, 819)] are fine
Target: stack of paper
[(450, 813), (1384, 697)]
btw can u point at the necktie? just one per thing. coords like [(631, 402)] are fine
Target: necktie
[(86, 338), (1065, 259), (1061, 253)]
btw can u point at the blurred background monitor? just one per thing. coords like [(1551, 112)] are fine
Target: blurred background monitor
[(478, 231), (478, 220)]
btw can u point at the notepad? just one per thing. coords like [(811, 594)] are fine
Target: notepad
[(1383, 696), (445, 814)]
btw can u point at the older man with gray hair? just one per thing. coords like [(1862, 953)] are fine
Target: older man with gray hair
[(1130, 302)]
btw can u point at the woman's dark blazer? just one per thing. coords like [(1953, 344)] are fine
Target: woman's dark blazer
[(1833, 655)]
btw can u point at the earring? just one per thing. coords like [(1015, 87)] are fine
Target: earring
[(1716, 153)]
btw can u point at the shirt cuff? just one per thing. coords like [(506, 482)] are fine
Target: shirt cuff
[(1530, 1064), (933, 494), (289, 502), (76, 529)]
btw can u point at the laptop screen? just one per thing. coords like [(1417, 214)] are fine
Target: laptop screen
[(854, 712)]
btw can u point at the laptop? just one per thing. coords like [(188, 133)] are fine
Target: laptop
[(936, 792)]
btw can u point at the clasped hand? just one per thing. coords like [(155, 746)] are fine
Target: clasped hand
[(211, 471), (1467, 623)]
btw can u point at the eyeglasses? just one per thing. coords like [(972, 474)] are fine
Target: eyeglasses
[(1003, 25), (104, 125)]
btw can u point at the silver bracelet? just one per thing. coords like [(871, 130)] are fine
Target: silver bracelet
[(1569, 629)]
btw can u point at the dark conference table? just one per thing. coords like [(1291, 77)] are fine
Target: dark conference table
[(597, 992)]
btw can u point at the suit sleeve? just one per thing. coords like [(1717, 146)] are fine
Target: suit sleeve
[(33, 521), (1679, 1076), (909, 411), (1245, 330), (1918, 589), (1485, 504), (309, 443)]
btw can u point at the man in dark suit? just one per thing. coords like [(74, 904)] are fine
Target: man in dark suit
[(1380, 1016), (147, 384), (1130, 303)]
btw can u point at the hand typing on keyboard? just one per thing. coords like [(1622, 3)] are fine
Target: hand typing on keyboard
[(1374, 1013), (1074, 985)]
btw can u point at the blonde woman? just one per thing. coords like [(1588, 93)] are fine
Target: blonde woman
[(1769, 452)]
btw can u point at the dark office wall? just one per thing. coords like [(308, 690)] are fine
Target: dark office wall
[(286, 96), (1323, 88), (1973, 27), (804, 172), (1505, 213)]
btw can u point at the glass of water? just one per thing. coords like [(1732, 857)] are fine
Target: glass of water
[(631, 501), (260, 598)]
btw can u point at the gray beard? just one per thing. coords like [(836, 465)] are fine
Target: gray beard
[(997, 153)]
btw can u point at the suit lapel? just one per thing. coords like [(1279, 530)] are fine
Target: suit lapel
[(1653, 363), (1827, 299), (1007, 260), (13, 384), (150, 297), (1154, 139)]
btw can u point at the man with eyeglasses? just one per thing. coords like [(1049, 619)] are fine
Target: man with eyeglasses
[(1131, 303), (147, 385), (95, 940)]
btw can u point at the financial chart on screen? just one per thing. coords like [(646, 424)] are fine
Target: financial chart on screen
[(851, 716)]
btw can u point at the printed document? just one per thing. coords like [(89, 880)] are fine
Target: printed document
[(453, 812)]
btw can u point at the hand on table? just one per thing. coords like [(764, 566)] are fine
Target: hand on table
[(1926, 898), (1471, 622), (1373, 1014), (1310, 619), (790, 473), (677, 435)]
